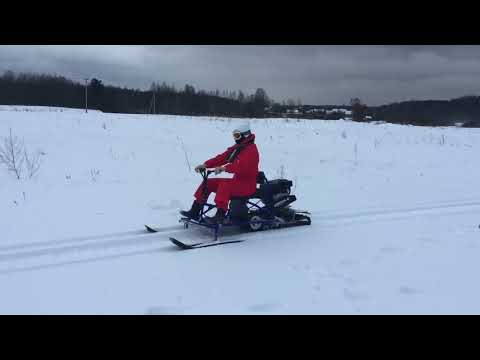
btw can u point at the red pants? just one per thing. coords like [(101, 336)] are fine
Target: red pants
[(224, 189)]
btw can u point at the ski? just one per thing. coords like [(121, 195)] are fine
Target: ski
[(150, 229), (184, 246)]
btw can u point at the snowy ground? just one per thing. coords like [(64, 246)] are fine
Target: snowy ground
[(396, 213)]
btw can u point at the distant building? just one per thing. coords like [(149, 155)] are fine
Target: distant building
[(313, 111), (293, 111), (344, 111)]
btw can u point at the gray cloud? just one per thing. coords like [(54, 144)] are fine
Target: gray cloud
[(315, 74)]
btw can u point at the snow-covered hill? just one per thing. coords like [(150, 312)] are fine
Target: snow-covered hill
[(395, 212)]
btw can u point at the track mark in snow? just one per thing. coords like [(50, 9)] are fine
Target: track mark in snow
[(391, 250), (472, 245), (77, 262), (353, 295), (406, 290), (347, 262), (379, 213), (110, 248), (165, 310), (346, 279), (55, 251), (428, 240), (174, 204), (51, 243), (35, 244), (263, 307)]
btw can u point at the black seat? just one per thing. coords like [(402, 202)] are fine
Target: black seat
[(261, 178)]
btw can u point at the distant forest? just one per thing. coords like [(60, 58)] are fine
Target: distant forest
[(463, 111), (53, 90)]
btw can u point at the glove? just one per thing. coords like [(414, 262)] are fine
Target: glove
[(219, 169), (200, 168)]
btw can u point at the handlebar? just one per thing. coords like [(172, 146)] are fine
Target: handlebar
[(205, 172)]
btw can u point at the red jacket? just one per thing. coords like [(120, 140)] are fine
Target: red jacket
[(244, 166)]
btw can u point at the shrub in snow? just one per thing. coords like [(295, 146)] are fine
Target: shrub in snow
[(94, 173), (187, 160), (281, 172), (14, 155), (32, 163)]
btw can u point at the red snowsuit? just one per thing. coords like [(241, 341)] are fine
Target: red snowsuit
[(245, 170)]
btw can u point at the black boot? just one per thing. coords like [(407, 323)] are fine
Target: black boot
[(194, 212), (218, 219)]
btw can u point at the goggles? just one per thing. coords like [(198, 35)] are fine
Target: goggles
[(237, 135)]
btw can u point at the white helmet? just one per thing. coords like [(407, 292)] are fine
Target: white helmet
[(243, 128)]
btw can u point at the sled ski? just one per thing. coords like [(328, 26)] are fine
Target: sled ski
[(185, 246), (150, 229)]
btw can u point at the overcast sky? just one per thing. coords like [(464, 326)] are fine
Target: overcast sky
[(315, 74)]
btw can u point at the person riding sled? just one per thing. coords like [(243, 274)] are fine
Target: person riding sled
[(242, 161)]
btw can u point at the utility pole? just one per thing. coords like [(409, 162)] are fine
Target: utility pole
[(86, 95), (154, 102)]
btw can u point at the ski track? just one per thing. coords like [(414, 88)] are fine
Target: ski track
[(77, 262), (338, 215), (147, 243), (112, 244), (85, 238), (102, 245), (319, 215)]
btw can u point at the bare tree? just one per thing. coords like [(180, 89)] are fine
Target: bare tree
[(12, 154), (291, 102), (187, 161), (359, 109), (32, 163)]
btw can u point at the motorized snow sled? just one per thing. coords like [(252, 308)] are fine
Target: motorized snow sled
[(268, 208)]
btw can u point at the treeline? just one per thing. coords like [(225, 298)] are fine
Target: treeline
[(463, 111), (54, 90)]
